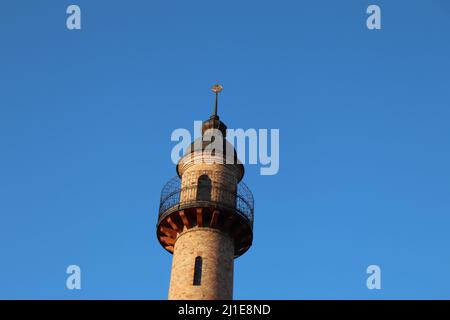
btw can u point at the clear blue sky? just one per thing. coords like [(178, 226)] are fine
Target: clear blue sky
[(86, 118)]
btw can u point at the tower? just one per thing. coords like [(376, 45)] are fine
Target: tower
[(206, 216)]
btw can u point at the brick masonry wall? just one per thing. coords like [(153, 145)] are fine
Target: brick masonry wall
[(217, 252), (222, 177)]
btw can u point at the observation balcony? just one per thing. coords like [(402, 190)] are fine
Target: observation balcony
[(200, 202)]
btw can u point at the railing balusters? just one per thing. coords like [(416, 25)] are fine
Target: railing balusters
[(171, 192)]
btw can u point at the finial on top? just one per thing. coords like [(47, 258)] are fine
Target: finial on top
[(216, 88)]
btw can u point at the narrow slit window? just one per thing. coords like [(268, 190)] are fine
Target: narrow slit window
[(198, 271)]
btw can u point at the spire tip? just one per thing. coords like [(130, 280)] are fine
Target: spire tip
[(217, 88)]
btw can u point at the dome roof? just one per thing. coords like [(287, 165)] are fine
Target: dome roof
[(207, 141)]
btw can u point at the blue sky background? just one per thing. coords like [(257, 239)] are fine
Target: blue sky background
[(86, 118)]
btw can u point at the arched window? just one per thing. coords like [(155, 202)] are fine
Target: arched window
[(198, 271), (204, 188)]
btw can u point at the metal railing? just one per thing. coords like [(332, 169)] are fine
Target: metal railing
[(175, 197)]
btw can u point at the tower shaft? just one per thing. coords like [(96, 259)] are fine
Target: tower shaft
[(202, 266)]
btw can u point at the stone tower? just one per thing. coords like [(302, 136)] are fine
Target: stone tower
[(206, 216)]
